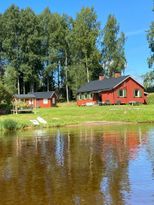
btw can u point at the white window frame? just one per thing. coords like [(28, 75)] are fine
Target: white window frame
[(30, 102), (45, 101), (123, 93), (53, 100), (138, 93)]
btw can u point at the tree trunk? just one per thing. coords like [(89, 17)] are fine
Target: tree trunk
[(24, 89), (47, 83), (32, 87), (58, 75), (66, 67), (18, 86), (87, 69)]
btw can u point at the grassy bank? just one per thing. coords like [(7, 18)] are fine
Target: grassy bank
[(70, 114)]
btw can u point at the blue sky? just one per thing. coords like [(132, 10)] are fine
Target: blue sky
[(134, 17)]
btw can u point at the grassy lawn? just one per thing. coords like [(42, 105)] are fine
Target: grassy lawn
[(69, 114)]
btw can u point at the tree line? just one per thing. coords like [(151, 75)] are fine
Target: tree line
[(149, 76), (49, 51)]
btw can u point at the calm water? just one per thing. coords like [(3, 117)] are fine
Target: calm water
[(107, 165)]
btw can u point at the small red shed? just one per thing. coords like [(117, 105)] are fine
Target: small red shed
[(38, 99), (117, 90)]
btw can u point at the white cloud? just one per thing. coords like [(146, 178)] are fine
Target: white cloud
[(135, 33)]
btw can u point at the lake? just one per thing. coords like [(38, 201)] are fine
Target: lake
[(91, 165)]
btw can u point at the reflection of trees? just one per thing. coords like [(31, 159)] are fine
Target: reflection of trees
[(80, 166), (118, 148), (150, 148)]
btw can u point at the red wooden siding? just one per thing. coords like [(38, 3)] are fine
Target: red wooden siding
[(113, 97), (40, 103)]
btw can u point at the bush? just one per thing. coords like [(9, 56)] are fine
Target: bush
[(5, 108), (151, 98), (9, 124)]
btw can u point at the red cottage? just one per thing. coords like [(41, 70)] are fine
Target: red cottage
[(117, 90), (38, 99)]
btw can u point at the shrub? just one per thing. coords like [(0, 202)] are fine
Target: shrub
[(5, 108), (9, 124), (151, 98)]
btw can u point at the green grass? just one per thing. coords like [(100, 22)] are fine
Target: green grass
[(70, 114)]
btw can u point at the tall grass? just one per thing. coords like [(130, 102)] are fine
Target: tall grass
[(9, 124)]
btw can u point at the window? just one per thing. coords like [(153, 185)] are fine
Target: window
[(122, 93), (85, 96), (137, 93), (53, 101), (89, 95), (45, 101), (82, 96), (30, 102), (78, 97)]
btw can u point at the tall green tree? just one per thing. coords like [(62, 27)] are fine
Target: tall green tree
[(150, 38), (84, 40), (65, 48), (1, 49), (113, 54), (11, 42), (47, 54), (9, 79), (30, 42), (149, 76), (77, 77)]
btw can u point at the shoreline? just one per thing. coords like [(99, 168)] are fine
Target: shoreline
[(89, 123)]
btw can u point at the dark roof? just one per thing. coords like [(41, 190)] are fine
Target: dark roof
[(24, 96), (37, 95), (102, 85)]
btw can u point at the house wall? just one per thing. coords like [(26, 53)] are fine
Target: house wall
[(129, 85), (40, 103), (83, 102)]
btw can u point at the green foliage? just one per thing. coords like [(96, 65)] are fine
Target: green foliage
[(20, 104), (84, 41), (5, 96), (150, 37), (149, 76), (51, 51), (148, 80), (77, 75), (10, 79), (113, 55), (151, 98), (9, 124)]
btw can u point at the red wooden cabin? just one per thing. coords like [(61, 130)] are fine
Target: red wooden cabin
[(38, 99), (117, 90)]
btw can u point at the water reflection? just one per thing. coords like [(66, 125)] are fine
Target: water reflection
[(81, 166)]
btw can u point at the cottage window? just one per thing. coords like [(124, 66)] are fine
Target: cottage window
[(86, 95), (89, 95), (137, 93), (45, 101), (78, 97), (122, 93), (82, 96), (53, 101)]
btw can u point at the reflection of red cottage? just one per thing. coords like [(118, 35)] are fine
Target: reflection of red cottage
[(38, 99), (117, 90)]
